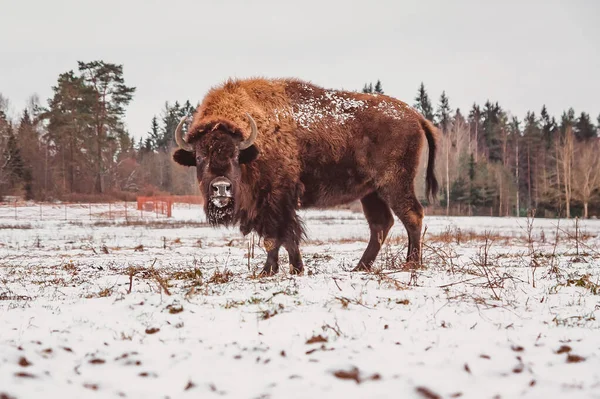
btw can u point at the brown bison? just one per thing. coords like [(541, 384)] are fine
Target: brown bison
[(264, 148)]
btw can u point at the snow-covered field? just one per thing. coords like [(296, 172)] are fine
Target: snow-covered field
[(156, 308)]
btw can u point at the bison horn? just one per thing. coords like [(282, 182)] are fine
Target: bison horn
[(254, 132), (184, 145)]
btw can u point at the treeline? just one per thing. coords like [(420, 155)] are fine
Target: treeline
[(77, 147), (489, 162), (492, 163)]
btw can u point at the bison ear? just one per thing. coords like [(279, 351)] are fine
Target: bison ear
[(185, 158), (248, 155)]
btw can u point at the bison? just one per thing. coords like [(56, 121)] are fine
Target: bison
[(263, 148)]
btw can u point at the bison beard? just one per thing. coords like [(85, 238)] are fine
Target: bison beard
[(220, 215), (305, 146)]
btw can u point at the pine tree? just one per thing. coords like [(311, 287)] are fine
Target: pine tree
[(188, 109), (28, 146), (548, 126), (443, 116), (148, 146), (112, 96), (170, 120), (459, 191), (458, 118), (584, 129), (368, 88), (567, 120), (491, 129), (472, 166), (154, 136), (15, 167), (485, 185), (443, 113), (422, 103), (475, 123), (70, 119), (378, 87)]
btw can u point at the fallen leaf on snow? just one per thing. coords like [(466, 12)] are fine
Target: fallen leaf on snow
[(352, 374), (571, 358), (427, 393), (24, 375), (355, 375), (23, 362), (315, 339), (563, 349)]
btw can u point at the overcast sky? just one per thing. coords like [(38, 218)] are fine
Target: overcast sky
[(522, 54)]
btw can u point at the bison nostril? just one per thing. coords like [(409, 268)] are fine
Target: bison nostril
[(221, 187)]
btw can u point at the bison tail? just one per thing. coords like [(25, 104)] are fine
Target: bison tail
[(431, 183)]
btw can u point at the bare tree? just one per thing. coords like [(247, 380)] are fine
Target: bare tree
[(565, 157), (4, 161), (586, 172), (4, 154), (517, 138)]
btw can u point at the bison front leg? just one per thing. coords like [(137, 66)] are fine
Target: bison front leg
[(296, 264), (271, 266), (286, 231)]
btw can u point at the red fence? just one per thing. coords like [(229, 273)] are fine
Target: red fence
[(164, 204)]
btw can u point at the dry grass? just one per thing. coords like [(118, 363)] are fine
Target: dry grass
[(583, 281), (188, 274), (23, 226), (460, 236), (105, 292), (220, 277)]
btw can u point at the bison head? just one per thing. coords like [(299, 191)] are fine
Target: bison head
[(217, 153)]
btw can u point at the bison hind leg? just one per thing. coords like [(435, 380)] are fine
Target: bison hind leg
[(410, 211), (381, 220)]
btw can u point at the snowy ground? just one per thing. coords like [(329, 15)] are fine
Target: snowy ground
[(156, 307)]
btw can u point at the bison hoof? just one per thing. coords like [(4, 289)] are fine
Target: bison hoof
[(268, 270), (298, 271)]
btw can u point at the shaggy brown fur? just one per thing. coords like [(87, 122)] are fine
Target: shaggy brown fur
[(315, 147)]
